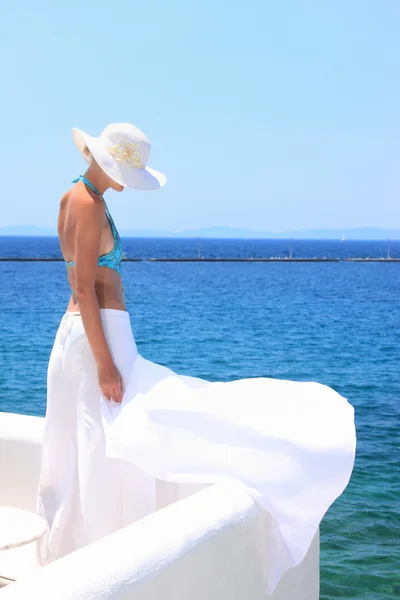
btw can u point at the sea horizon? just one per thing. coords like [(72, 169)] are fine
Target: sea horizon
[(223, 232)]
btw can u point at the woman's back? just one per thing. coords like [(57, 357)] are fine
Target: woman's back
[(108, 284)]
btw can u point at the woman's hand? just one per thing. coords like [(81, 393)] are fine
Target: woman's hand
[(110, 382)]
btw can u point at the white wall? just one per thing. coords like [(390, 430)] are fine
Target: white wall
[(20, 449), (208, 546)]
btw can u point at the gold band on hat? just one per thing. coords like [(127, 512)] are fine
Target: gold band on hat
[(127, 153)]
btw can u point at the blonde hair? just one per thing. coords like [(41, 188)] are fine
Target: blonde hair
[(87, 153)]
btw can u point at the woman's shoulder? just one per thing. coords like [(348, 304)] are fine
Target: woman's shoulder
[(79, 200)]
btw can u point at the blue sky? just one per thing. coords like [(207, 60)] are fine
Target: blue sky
[(263, 114)]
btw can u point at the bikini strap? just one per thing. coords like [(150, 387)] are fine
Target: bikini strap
[(88, 183)]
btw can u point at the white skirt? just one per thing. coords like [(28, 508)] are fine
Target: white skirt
[(290, 444)]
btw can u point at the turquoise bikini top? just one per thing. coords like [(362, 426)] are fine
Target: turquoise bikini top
[(112, 259)]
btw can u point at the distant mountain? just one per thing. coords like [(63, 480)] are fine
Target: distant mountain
[(361, 233), (156, 233)]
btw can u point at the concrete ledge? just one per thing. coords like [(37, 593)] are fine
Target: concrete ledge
[(210, 545)]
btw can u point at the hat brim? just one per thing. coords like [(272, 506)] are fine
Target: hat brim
[(128, 176)]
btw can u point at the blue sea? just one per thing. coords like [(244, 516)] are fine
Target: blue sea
[(337, 323)]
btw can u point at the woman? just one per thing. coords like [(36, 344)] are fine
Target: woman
[(116, 421), (81, 492)]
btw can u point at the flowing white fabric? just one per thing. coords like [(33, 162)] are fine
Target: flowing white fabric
[(290, 444)]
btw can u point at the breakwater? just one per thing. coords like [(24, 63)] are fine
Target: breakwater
[(201, 259)]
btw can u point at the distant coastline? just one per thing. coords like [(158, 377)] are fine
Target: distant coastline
[(361, 233)]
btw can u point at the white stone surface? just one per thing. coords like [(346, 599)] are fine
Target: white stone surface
[(18, 562), (206, 547), (20, 450), (210, 545), (19, 527)]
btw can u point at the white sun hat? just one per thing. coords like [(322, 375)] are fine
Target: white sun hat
[(122, 152)]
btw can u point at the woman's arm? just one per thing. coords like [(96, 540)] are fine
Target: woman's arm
[(90, 222)]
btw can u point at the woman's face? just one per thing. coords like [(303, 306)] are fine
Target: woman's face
[(110, 182), (115, 186)]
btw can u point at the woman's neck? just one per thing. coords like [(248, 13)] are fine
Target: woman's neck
[(95, 176)]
